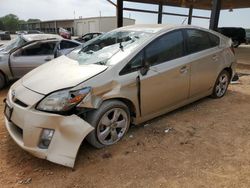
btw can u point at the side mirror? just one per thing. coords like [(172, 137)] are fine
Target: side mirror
[(144, 69)]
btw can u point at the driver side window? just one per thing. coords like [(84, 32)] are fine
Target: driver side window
[(165, 48)]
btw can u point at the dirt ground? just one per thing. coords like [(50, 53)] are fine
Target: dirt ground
[(208, 145)]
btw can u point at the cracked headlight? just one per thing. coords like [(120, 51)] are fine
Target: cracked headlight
[(64, 100)]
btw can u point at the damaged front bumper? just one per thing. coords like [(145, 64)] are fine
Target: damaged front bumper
[(25, 126)]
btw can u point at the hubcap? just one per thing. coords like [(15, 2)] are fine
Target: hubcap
[(112, 126), (221, 86)]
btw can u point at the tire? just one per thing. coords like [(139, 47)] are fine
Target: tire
[(111, 122), (2, 81), (221, 85)]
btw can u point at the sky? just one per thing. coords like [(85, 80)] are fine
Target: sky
[(68, 9)]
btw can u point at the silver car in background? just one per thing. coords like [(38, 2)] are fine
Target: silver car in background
[(128, 75), (29, 51)]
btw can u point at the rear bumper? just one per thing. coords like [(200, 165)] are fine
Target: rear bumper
[(26, 125)]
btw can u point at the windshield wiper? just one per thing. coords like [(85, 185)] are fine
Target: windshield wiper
[(101, 63)]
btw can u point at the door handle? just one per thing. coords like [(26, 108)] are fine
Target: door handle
[(183, 69)]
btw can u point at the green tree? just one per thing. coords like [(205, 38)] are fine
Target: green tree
[(10, 22), (1, 24)]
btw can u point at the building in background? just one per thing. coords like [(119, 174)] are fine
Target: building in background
[(77, 27), (98, 24), (50, 26)]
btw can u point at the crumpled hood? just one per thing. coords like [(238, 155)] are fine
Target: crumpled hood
[(59, 73)]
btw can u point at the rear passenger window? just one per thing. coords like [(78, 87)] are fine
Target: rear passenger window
[(46, 48), (197, 41), (165, 48)]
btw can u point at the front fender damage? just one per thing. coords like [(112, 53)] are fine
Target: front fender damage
[(67, 140), (124, 90), (73, 129), (95, 98)]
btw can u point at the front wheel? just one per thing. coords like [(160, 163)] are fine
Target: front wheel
[(111, 122), (221, 85)]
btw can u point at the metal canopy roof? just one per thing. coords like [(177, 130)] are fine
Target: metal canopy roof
[(214, 5), (199, 4)]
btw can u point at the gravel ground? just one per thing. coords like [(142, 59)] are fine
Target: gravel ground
[(204, 144)]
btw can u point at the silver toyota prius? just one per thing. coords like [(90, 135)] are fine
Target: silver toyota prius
[(26, 52), (126, 76)]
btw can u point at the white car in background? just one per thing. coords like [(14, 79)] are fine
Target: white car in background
[(29, 51)]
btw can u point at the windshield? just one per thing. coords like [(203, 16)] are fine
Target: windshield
[(100, 49), (14, 43)]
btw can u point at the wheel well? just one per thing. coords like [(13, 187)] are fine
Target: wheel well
[(129, 104), (230, 71)]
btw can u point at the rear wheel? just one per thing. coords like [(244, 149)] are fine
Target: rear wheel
[(111, 122), (2, 81), (221, 84)]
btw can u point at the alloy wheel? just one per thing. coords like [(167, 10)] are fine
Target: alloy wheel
[(112, 126), (222, 85)]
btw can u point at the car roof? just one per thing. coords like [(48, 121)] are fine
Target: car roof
[(158, 28), (33, 37), (153, 28)]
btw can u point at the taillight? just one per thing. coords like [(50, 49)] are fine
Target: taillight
[(232, 49)]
